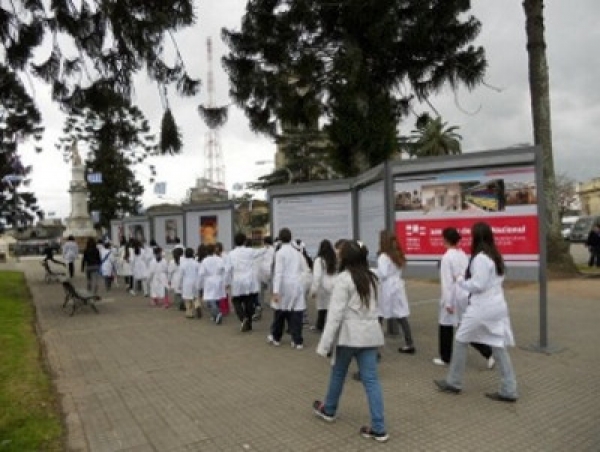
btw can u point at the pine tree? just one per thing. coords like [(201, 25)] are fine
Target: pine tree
[(354, 67), (19, 120)]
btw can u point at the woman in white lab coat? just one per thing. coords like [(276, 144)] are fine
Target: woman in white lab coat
[(393, 302), (174, 274), (139, 269), (323, 277), (159, 279), (188, 284), (486, 319), (211, 276)]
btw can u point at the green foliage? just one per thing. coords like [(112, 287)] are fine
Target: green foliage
[(29, 420), (214, 117), (170, 136), (433, 138), (19, 120), (112, 41), (354, 67), (118, 140)]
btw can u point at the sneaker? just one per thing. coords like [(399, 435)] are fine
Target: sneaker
[(445, 387), (439, 362), (219, 318), (491, 362), (272, 341), (246, 326), (367, 432), (298, 347), (132, 292), (319, 410), (407, 350)]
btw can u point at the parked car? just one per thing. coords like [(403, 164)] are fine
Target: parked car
[(582, 228), (566, 225)]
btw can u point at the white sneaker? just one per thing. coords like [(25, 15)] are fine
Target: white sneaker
[(491, 362), (439, 362), (132, 292), (299, 347), (272, 341)]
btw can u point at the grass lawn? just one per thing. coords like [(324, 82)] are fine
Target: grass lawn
[(29, 415), (586, 270)]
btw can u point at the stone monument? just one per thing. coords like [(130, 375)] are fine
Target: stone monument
[(79, 222)]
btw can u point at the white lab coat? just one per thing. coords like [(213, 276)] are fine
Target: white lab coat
[(139, 268), (266, 265), (288, 279), (107, 266), (174, 275), (211, 275), (241, 263), (486, 318), (124, 265), (454, 264), (393, 302), (158, 276), (189, 278), (322, 284), (70, 251)]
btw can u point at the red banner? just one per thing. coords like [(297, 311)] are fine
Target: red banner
[(515, 236)]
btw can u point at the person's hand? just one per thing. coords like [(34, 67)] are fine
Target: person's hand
[(276, 298), (313, 296), (450, 309)]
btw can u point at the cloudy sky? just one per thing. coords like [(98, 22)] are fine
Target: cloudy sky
[(489, 118)]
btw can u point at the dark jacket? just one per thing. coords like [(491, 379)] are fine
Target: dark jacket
[(593, 240), (91, 258)]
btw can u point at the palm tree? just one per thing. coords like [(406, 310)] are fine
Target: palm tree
[(432, 137)]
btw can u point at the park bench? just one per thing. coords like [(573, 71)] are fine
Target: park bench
[(78, 298), (52, 276)]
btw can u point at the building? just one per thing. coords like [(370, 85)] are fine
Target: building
[(589, 196)]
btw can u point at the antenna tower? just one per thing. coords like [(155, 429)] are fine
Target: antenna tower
[(214, 170)]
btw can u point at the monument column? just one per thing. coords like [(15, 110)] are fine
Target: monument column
[(79, 222)]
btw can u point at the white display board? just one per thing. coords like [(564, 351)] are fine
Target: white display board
[(209, 226), (314, 217), (167, 229), (139, 229), (371, 216)]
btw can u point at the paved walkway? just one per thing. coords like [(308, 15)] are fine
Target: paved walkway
[(137, 378)]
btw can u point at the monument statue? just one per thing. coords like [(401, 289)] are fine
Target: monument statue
[(79, 223), (75, 157)]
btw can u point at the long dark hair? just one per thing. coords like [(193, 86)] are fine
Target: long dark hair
[(201, 252), (353, 258), (388, 244), (482, 241), (327, 253)]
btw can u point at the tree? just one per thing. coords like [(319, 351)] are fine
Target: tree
[(19, 120), (433, 138), (566, 193), (353, 67), (539, 87), (119, 140), (89, 46)]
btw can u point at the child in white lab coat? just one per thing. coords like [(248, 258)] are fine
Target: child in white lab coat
[(212, 280), (189, 281), (159, 280)]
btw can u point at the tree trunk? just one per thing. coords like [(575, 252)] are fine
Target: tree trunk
[(559, 258)]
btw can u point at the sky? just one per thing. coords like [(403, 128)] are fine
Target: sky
[(490, 117)]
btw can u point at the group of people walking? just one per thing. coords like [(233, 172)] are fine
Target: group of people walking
[(351, 299)]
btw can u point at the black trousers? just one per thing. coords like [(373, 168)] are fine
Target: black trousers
[(71, 269), (483, 349), (244, 307), (594, 258), (294, 319), (446, 339), (321, 319)]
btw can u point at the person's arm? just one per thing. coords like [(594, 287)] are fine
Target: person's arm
[(317, 275), (480, 275), (83, 259), (447, 281), (335, 315), (279, 264)]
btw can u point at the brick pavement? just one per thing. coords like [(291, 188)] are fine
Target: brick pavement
[(137, 378)]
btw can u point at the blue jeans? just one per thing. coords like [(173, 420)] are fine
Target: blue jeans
[(367, 365), (213, 305), (508, 381)]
